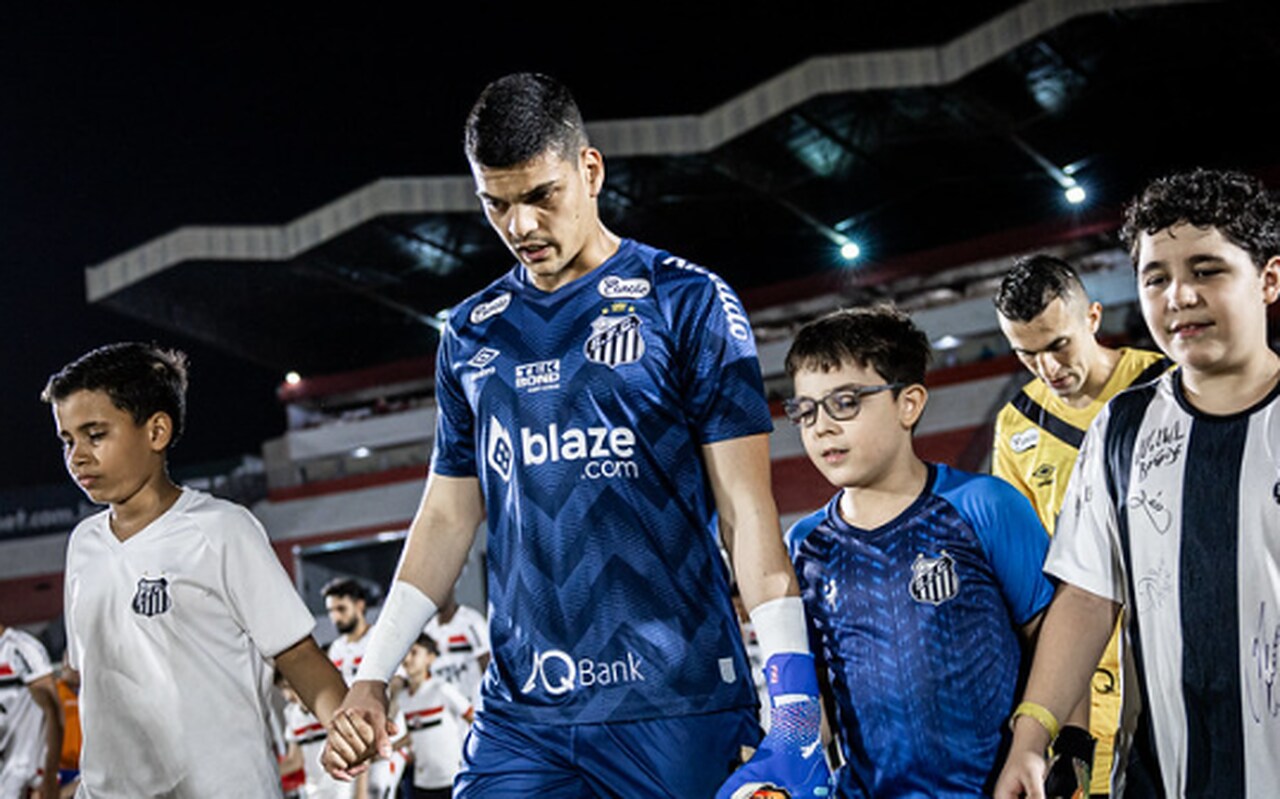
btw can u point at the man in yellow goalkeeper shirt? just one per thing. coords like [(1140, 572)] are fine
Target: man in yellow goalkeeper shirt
[(1051, 324)]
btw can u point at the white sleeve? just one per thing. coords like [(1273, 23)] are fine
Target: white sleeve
[(33, 659), (1085, 549), (69, 582), (262, 598)]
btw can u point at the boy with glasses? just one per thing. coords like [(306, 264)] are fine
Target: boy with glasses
[(917, 578)]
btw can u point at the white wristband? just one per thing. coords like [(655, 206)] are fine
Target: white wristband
[(400, 622), (780, 626)]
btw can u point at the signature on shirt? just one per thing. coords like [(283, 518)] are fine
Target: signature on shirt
[(1159, 447), (1264, 702), (1157, 512)]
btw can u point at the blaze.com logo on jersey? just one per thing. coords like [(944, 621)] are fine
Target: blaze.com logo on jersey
[(606, 451)]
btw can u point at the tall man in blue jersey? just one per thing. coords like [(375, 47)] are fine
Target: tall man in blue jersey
[(601, 404)]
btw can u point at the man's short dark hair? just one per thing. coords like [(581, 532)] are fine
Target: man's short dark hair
[(348, 587), (519, 117), (1235, 203), (880, 337), (1033, 283), (140, 379), (428, 643)]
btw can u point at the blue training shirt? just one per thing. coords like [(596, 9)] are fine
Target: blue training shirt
[(916, 621), (582, 412)]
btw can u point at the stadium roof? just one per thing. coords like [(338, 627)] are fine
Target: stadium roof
[(901, 151)]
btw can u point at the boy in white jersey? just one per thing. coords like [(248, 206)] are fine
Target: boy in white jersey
[(175, 601), (30, 719), (1173, 511), (436, 715)]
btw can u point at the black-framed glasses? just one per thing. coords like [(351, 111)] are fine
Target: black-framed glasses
[(841, 403)]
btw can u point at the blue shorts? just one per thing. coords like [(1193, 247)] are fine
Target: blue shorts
[(686, 757)]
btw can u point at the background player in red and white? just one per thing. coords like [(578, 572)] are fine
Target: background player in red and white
[(602, 405), (30, 719), (462, 633), (346, 600), (436, 717)]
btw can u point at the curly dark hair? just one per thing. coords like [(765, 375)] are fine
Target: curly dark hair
[(140, 379), (880, 337), (519, 117), (1235, 203), (1033, 283)]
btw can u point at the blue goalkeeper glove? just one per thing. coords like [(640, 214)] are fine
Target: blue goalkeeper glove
[(790, 759)]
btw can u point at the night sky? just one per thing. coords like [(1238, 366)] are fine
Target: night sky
[(121, 125)]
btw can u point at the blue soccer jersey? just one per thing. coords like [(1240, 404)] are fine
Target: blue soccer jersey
[(916, 621), (582, 412)]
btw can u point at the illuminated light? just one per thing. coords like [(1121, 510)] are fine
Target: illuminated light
[(293, 378), (947, 342), (360, 452), (1075, 194), (850, 251)]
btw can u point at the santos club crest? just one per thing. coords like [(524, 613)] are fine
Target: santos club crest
[(152, 597), (615, 340), (934, 580)]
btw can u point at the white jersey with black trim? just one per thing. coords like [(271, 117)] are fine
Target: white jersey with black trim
[(171, 631), (462, 640), (23, 660), (1176, 514)]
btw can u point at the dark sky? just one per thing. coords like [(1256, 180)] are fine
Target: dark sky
[(120, 124)]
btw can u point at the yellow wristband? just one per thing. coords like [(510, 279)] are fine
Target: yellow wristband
[(1041, 714)]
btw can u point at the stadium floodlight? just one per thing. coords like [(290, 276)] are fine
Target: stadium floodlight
[(1075, 194), (850, 251)]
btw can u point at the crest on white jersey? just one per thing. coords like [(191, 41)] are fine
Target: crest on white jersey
[(493, 307), (501, 453), (934, 580), (617, 288), (152, 597), (615, 340), (1021, 442)]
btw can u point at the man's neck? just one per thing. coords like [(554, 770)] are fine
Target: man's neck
[(361, 628)]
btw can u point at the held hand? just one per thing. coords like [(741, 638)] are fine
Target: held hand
[(790, 761), (358, 731), (1023, 775)]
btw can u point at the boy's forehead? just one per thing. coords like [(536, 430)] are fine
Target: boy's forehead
[(1184, 240), (814, 377), (85, 406)]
